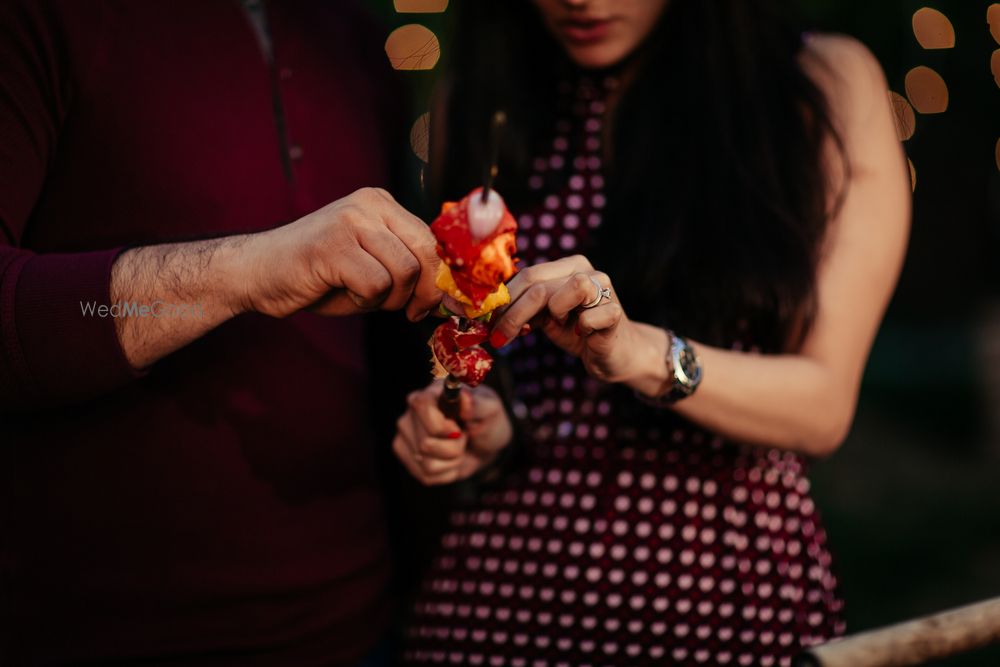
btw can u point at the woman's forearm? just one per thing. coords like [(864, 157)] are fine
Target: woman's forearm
[(787, 401)]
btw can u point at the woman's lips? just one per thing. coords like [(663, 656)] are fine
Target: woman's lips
[(586, 31)]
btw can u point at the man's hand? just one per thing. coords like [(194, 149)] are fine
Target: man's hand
[(360, 253), (435, 450)]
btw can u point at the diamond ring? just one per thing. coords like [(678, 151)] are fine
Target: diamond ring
[(602, 294)]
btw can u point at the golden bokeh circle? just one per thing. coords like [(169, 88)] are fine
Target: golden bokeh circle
[(420, 136), (903, 115), (927, 91), (993, 18), (413, 47), (420, 6), (913, 175), (932, 29)]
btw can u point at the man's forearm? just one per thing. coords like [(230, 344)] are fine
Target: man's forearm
[(167, 296), (359, 253)]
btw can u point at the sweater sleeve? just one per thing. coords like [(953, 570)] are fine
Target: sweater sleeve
[(50, 350)]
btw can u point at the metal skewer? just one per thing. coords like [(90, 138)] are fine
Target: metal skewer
[(496, 126)]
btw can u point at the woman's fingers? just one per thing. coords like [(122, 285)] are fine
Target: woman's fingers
[(432, 455), (428, 443), (441, 449), (578, 290), (521, 311), (431, 420), (431, 467), (432, 448), (426, 446), (427, 473), (483, 404), (452, 304), (541, 273), (467, 404), (557, 296), (600, 319)]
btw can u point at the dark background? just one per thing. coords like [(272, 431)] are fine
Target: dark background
[(912, 499)]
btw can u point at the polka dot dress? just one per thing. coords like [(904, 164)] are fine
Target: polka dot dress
[(625, 542)]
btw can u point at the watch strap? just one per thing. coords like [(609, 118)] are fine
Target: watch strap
[(679, 384)]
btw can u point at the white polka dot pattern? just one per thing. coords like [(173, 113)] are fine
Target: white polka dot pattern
[(626, 541)]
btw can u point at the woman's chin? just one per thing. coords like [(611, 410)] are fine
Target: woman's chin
[(596, 56)]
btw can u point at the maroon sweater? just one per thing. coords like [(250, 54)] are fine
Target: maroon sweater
[(223, 506)]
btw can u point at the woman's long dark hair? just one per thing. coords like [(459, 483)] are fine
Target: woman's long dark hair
[(716, 186)]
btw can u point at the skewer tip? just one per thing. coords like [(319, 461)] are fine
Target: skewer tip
[(496, 125)]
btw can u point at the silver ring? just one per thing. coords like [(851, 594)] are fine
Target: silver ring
[(602, 294)]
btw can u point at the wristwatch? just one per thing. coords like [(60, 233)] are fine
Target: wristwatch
[(683, 370), (685, 367)]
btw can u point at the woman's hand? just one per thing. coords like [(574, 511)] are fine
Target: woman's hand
[(435, 450), (552, 297)]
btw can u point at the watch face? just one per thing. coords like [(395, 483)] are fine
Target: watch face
[(689, 366), (688, 363)]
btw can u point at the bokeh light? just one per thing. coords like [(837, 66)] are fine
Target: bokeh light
[(902, 113), (932, 29), (995, 66), (420, 6), (413, 47), (913, 175), (420, 136), (926, 89), (993, 18)]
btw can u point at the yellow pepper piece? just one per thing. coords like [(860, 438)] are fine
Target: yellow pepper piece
[(446, 283)]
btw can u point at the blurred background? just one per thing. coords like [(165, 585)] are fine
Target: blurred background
[(912, 499)]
